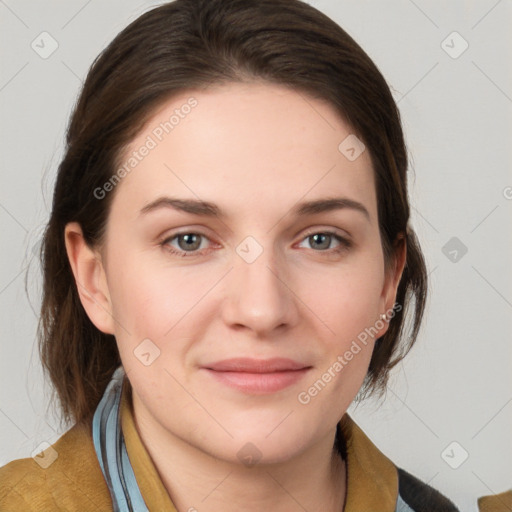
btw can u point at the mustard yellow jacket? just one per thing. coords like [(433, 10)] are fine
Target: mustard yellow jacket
[(73, 482)]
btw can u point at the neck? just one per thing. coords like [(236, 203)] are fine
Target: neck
[(314, 479)]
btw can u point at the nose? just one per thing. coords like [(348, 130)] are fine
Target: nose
[(259, 295)]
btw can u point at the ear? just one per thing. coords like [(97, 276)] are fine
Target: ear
[(90, 278), (393, 277)]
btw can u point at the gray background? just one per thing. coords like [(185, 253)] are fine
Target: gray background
[(455, 386)]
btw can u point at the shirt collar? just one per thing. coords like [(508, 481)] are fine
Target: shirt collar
[(372, 479), (150, 484)]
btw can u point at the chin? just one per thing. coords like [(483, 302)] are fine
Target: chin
[(258, 453), (268, 445)]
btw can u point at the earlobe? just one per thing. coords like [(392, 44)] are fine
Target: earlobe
[(90, 278)]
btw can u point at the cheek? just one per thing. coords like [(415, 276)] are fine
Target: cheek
[(150, 298), (173, 308), (347, 299), (151, 308), (347, 302)]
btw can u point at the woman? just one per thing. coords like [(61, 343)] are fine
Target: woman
[(227, 264)]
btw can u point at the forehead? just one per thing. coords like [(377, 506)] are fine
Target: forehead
[(245, 145)]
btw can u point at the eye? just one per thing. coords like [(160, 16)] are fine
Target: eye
[(188, 243), (321, 241)]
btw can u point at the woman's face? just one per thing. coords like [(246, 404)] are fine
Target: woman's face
[(256, 272)]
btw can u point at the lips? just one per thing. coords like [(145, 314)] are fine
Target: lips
[(250, 365), (257, 376)]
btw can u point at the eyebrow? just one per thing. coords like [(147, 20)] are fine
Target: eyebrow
[(208, 209)]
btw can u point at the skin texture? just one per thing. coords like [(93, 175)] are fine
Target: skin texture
[(255, 150)]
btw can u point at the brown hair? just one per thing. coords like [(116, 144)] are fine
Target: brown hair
[(191, 44)]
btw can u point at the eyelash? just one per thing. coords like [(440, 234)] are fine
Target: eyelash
[(344, 243)]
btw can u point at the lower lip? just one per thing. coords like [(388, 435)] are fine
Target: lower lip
[(259, 383)]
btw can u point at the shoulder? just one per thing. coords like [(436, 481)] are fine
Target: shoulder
[(420, 497), (65, 476), (392, 488)]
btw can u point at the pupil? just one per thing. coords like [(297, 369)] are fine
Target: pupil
[(190, 241), (321, 236)]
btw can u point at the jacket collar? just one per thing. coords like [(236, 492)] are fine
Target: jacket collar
[(372, 479)]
